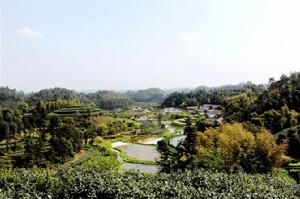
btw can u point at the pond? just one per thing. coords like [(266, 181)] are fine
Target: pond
[(141, 152), (176, 140), (140, 167), (144, 152)]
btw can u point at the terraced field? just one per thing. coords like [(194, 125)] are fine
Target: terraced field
[(78, 110)]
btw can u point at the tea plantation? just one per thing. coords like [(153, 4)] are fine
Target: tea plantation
[(94, 182)]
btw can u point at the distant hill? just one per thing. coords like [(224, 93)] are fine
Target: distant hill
[(211, 95), (52, 94), (103, 99), (10, 96), (181, 90), (151, 95), (109, 99), (240, 86)]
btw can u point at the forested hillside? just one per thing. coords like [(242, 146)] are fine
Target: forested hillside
[(151, 95), (102, 99), (275, 108), (51, 95), (207, 95), (108, 100)]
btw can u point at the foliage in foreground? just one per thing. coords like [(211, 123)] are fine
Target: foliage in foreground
[(90, 182)]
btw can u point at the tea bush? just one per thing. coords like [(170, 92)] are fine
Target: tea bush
[(89, 182)]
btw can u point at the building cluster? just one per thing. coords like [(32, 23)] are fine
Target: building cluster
[(212, 112)]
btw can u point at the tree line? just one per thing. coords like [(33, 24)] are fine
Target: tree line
[(103, 98)]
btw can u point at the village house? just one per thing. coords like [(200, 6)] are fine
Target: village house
[(193, 109), (144, 120), (136, 108), (212, 112), (171, 110)]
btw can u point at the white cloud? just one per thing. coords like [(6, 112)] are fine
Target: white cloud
[(190, 36), (27, 32)]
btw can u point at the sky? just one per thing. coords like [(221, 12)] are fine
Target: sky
[(137, 44)]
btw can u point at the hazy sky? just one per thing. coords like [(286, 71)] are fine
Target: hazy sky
[(140, 44)]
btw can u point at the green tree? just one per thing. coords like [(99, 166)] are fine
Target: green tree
[(159, 118), (90, 133), (168, 153), (34, 152), (191, 134), (61, 150), (24, 107), (200, 123), (65, 142)]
